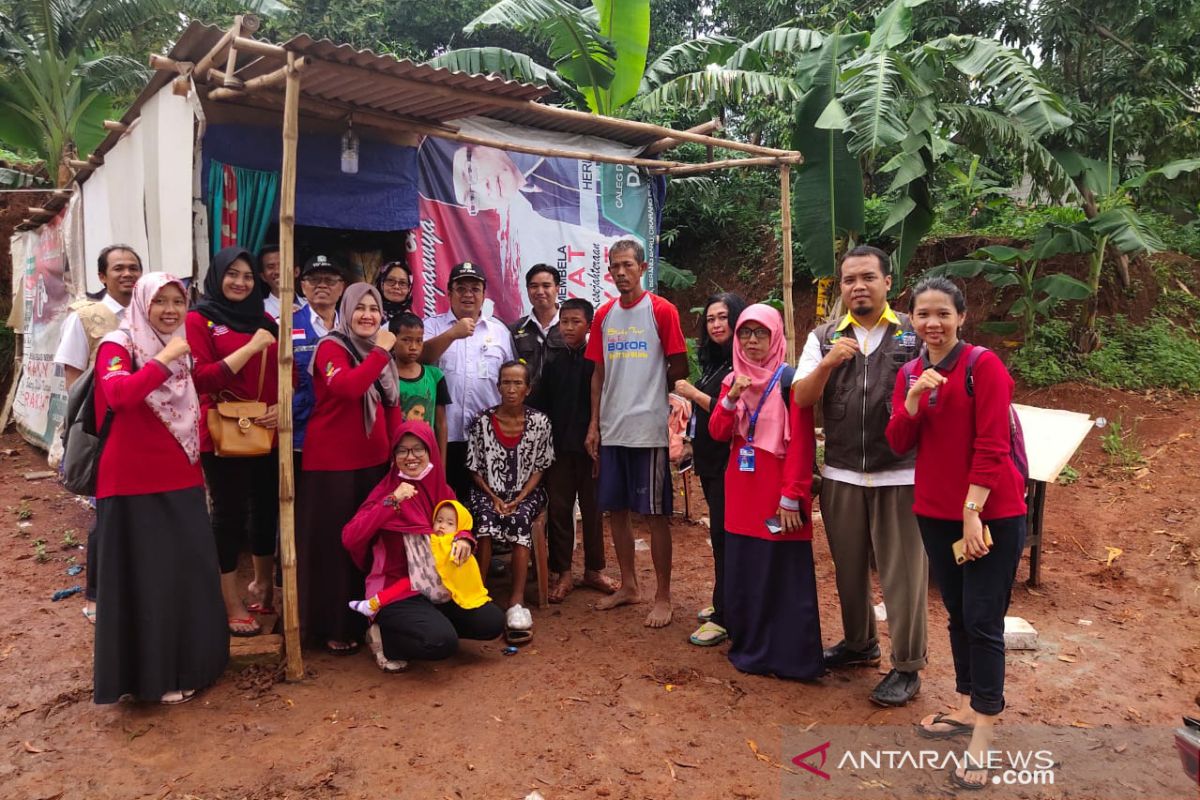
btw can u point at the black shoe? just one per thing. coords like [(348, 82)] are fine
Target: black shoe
[(897, 688), (841, 656)]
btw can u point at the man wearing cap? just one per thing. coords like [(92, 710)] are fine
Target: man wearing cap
[(322, 281), (469, 348)]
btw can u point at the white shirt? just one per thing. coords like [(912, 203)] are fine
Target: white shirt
[(868, 342), (271, 305), (318, 324), (545, 329), (472, 369), (73, 350)]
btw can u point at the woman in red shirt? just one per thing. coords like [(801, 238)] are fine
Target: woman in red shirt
[(346, 453), (233, 341), (770, 609), (162, 635), (966, 482)]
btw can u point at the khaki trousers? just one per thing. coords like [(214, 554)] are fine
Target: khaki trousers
[(859, 520)]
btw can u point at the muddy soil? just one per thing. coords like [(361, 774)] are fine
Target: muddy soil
[(598, 705)]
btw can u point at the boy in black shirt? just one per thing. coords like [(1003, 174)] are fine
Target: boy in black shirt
[(564, 393)]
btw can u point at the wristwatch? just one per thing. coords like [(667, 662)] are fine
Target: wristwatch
[(971, 505)]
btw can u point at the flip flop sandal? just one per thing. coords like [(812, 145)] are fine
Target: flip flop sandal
[(244, 621), (349, 649), (956, 728), (705, 614), (963, 783), (709, 634), (90, 616), (178, 701), (259, 608), (513, 636)]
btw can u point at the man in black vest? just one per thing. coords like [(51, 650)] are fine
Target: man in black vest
[(849, 365)]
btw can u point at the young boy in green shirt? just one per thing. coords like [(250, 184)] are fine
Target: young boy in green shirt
[(423, 392)]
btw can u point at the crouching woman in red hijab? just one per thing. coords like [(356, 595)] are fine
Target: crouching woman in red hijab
[(411, 626), (162, 635), (770, 587)]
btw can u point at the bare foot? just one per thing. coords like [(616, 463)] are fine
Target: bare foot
[(660, 615), (561, 587), (600, 582), (626, 595)]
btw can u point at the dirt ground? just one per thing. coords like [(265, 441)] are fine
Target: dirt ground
[(597, 705)]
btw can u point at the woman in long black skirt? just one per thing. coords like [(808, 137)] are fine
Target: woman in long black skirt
[(346, 453), (770, 587), (162, 635)]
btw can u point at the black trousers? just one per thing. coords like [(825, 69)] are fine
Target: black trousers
[(568, 477), (245, 499), (415, 629), (714, 495), (976, 596), (93, 549), (457, 474)]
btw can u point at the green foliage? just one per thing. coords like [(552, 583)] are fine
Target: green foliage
[(40, 555), (1068, 476), (1047, 357), (1120, 446)]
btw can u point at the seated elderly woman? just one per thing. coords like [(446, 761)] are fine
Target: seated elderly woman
[(417, 613), (509, 446)]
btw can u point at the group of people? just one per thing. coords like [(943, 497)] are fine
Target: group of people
[(462, 434)]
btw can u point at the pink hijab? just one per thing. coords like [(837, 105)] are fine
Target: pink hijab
[(771, 431), (174, 402)]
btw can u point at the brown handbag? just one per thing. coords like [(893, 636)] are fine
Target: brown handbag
[(231, 424)]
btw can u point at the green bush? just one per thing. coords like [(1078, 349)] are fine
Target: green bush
[(1048, 357)]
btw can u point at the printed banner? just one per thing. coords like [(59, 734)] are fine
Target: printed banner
[(41, 400), (506, 211)]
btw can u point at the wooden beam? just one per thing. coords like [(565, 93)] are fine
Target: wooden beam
[(92, 162), (232, 81), (489, 101), (287, 478), (785, 213), (695, 169), (113, 125), (268, 81), (663, 145), (261, 48), (212, 56)]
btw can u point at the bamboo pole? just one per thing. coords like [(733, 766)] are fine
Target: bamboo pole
[(231, 81), (694, 169), (114, 125), (287, 480), (662, 145), (267, 81), (210, 58), (785, 209)]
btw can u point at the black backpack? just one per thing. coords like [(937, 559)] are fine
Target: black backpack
[(82, 443)]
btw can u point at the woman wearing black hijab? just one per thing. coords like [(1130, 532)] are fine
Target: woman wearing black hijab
[(715, 354), (233, 343), (395, 286)]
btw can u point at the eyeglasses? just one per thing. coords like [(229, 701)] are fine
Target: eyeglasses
[(406, 452), (760, 334), (322, 280), (391, 283), (467, 288)]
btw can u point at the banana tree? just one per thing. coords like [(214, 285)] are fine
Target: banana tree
[(55, 87), (1004, 267), (880, 97)]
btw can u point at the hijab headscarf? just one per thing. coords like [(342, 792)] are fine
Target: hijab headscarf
[(244, 316), (415, 515), (174, 402), (771, 431), (360, 347), (392, 308)]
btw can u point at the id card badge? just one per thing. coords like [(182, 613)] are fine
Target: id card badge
[(746, 459)]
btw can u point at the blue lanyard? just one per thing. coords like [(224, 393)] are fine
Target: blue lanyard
[(761, 401)]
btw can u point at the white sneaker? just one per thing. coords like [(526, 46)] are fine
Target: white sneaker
[(518, 618)]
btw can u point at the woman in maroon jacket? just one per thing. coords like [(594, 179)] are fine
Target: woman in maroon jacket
[(346, 453), (162, 635), (966, 482), (770, 600), (233, 341), (412, 627)]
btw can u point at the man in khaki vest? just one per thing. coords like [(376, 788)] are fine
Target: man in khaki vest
[(119, 267), (91, 320), (849, 367)]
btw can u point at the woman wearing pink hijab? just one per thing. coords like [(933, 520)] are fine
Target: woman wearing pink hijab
[(770, 588), (162, 635)]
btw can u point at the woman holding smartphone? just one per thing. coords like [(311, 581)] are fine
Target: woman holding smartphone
[(770, 587), (954, 407)]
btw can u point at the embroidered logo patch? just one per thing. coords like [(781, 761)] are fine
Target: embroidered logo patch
[(114, 364), (329, 369)]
